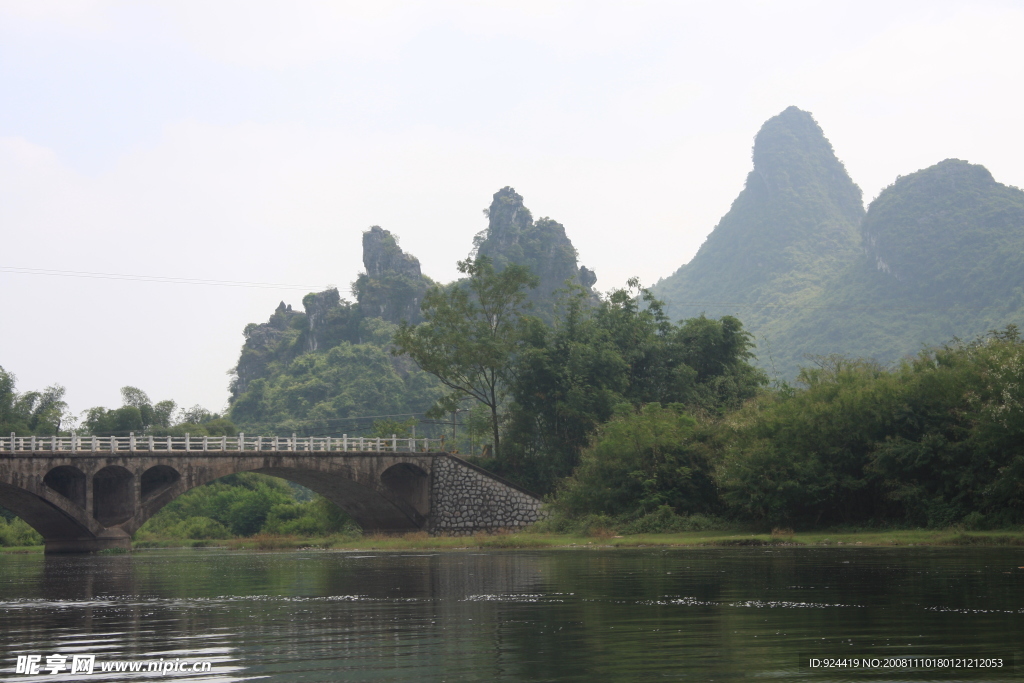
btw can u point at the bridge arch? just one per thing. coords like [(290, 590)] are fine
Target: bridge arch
[(409, 482), (52, 515), (68, 481), (390, 496), (157, 479), (373, 506)]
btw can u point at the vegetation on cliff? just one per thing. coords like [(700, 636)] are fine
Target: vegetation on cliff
[(786, 236), (328, 369), (942, 257)]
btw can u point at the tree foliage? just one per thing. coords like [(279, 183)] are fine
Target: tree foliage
[(935, 441), (139, 415), (470, 334), (32, 412), (245, 504), (570, 378), (641, 460)]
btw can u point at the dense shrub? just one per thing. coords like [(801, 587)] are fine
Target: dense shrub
[(17, 532)]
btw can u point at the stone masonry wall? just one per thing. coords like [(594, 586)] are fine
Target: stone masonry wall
[(464, 501)]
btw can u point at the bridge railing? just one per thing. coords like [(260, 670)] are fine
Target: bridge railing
[(216, 444)]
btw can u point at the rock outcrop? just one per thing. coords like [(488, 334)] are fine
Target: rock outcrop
[(393, 286), (512, 236)]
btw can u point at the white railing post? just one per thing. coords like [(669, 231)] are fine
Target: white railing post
[(394, 443), (205, 438), (53, 443), (113, 444), (293, 445), (327, 447), (170, 444), (362, 447), (344, 442), (378, 444), (73, 442), (187, 444), (95, 444), (241, 441), (259, 443), (131, 441), (33, 446), (151, 449)]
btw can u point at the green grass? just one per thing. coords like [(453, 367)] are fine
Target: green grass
[(527, 539), (20, 549), (602, 539)]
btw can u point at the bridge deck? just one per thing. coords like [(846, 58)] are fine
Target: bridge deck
[(22, 445)]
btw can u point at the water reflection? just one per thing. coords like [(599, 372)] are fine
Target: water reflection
[(594, 615)]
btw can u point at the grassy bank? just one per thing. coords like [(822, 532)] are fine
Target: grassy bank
[(20, 549), (422, 541), (692, 539)]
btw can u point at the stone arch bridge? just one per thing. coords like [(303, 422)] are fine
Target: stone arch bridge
[(91, 493)]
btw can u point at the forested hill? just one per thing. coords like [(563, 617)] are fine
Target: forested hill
[(317, 369), (942, 257), (789, 231), (937, 255), (326, 368)]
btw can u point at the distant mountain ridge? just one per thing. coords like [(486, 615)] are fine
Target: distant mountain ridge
[(938, 254)]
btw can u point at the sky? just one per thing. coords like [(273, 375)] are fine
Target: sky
[(179, 148)]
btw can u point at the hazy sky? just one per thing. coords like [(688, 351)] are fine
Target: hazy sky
[(254, 141)]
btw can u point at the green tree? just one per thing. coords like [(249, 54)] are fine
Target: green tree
[(470, 334), (641, 460), (163, 413), (571, 377), (11, 417)]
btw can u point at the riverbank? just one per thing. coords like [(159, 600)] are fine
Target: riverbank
[(696, 539), (949, 537)]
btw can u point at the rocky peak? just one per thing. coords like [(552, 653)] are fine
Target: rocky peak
[(798, 212), (512, 236), (507, 219), (382, 255), (792, 155), (393, 286), (318, 307)]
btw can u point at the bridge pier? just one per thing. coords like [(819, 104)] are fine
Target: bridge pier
[(108, 539)]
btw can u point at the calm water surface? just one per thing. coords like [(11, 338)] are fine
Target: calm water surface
[(561, 615)]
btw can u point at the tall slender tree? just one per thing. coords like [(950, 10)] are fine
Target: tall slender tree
[(470, 334)]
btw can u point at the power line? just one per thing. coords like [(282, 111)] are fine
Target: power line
[(14, 270), (154, 278), (922, 308)]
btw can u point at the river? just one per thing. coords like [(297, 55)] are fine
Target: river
[(554, 615)]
